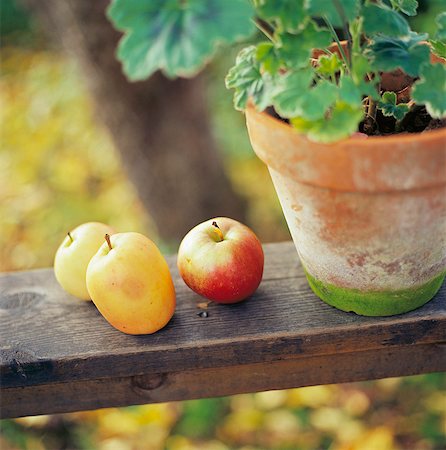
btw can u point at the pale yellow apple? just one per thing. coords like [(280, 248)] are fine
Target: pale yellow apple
[(74, 254), (129, 282)]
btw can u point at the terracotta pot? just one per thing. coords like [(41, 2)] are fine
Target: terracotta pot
[(367, 216)]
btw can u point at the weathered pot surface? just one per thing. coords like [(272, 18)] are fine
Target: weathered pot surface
[(367, 216)]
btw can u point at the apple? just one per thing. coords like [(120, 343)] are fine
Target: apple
[(129, 282), (74, 254), (222, 260)]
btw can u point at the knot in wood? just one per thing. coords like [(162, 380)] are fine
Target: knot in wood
[(148, 382)]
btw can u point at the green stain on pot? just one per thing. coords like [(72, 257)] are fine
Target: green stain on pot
[(376, 303)]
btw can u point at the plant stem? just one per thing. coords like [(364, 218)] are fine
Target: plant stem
[(370, 117), (107, 238), (264, 27), (341, 12), (218, 231), (371, 110), (355, 31), (71, 237), (336, 38)]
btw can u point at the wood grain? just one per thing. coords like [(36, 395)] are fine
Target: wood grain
[(54, 347), (202, 383)]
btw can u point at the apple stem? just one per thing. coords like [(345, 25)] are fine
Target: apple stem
[(71, 237), (218, 231), (107, 238)]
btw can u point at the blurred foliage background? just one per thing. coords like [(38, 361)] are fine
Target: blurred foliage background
[(58, 168)]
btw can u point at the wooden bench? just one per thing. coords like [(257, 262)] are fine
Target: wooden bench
[(58, 354)]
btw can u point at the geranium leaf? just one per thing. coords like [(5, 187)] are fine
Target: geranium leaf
[(342, 121), (390, 108), (348, 91), (290, 89), (316, 101), (267, 56), (352, 93), (248, 81), (328, 65), (380, 19), (175, 36), (440, 20), (295, 49), (290, 14), (430, 90), (362, 70), (334, 10), (439, 48), (409, 53), (408, 7), (361, 66), (369, 88)]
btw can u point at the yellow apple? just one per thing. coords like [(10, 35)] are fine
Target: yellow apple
[(129, 282), (74, 254)]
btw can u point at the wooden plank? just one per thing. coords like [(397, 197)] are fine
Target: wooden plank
[(216, 382), (49, 340)]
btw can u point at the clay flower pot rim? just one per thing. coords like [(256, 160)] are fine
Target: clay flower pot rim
[(370, 141)]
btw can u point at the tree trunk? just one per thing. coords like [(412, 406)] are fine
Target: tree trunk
[(159, 126)]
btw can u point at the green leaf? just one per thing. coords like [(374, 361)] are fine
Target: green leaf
[(362, 70), (175, 36), (380, 19), (355, 29), (290, 14), (295, 49), (334, 10), (389, 107), (349, 93), (316, 101), (408, 54), (361, 66), (408, 7), (439, 48), (440, 20), (267, 56), (328, 65), (248, 81), (352, 93), (370, 88), (342, 122), (289, 91), (430, 90)]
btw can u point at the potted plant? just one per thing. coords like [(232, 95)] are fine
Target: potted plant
[(353, 135), (343, 130)]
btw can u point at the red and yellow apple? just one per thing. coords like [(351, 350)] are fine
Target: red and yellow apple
[(222, 260), (129, 282), (74, 254)]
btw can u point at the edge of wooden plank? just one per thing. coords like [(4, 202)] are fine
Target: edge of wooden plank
[(212, 382), (21, 369)]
